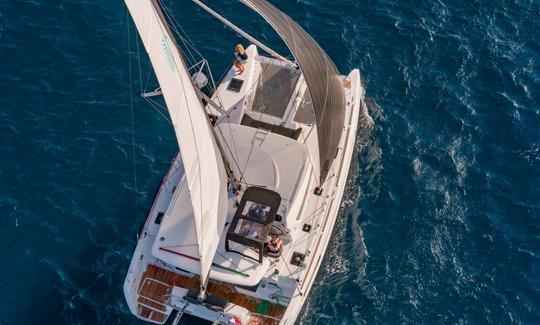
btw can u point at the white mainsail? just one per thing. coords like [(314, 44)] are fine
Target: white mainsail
[(203, 164)]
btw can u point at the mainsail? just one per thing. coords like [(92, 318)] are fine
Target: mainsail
[(322, 78), (203, 164)]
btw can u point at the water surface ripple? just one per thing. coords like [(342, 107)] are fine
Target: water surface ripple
[(441, 219)]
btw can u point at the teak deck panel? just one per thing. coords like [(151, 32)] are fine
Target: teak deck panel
[(156, 287)]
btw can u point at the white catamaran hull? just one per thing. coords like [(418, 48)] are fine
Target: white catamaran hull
[(242, 220), (356, 98), (142, 256)]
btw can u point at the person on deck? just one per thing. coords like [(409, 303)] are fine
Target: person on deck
[(241, 58), (274, 244)]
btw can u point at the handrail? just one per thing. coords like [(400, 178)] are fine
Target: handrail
[(152, 309), (264, 316)]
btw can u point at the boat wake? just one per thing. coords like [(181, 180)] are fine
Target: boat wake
[(345, 263)]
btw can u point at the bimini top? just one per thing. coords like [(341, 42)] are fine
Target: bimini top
[(322, 77), (252, 222)]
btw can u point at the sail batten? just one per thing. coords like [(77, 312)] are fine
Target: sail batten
[(204, 168), (322, 77)]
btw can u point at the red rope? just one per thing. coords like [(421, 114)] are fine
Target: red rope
[(180, 254)]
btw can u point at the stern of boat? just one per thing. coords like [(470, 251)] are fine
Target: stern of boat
[(161, 291)]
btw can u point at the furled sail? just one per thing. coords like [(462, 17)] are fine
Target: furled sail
[(322, 77), (203, 164)]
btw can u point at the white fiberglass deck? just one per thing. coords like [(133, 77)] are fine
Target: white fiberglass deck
[(269, 160), (276, 163)]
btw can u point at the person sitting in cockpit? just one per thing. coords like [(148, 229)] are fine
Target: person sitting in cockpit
[(274, 244)]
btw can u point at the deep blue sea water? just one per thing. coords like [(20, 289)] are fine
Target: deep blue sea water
[(441, 220)]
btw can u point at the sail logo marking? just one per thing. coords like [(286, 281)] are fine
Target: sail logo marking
[(168, 53)]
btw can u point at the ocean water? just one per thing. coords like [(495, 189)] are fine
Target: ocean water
[(441, 220)]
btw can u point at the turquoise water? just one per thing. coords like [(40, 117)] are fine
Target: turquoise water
[(441, 220)]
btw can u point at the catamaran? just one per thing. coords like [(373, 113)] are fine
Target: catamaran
[(245, 212)]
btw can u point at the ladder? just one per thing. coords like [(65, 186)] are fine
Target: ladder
[(260, 136)]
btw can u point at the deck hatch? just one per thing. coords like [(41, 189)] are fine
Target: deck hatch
[(297, 259), (159, 218), (235, 85)]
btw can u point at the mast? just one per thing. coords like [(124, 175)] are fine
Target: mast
[(205, 172)]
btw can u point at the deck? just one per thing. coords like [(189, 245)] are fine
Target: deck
[(156, 287)]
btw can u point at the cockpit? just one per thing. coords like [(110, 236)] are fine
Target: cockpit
[(252, 223)]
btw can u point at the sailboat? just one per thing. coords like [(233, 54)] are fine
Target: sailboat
[(245, 212)]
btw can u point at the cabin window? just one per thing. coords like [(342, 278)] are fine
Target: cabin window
[(256, 211), (249, 229), (235, 85)]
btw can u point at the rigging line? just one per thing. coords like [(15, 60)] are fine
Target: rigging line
[(132, 114), (310, 130), (166, 11), (156, 106), (166, 31), (214, 87), (305, 138), (234, 145), (173, 40), (227, 259), (218, 125), (318, 210), (291, 275), (148, 74), (227, 146), (233, 156), (139, 61), (304, 100), (185, 39), (189, 44), (175, 30), (147, 77), (184, 35), (213, 82), (310, 157)]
